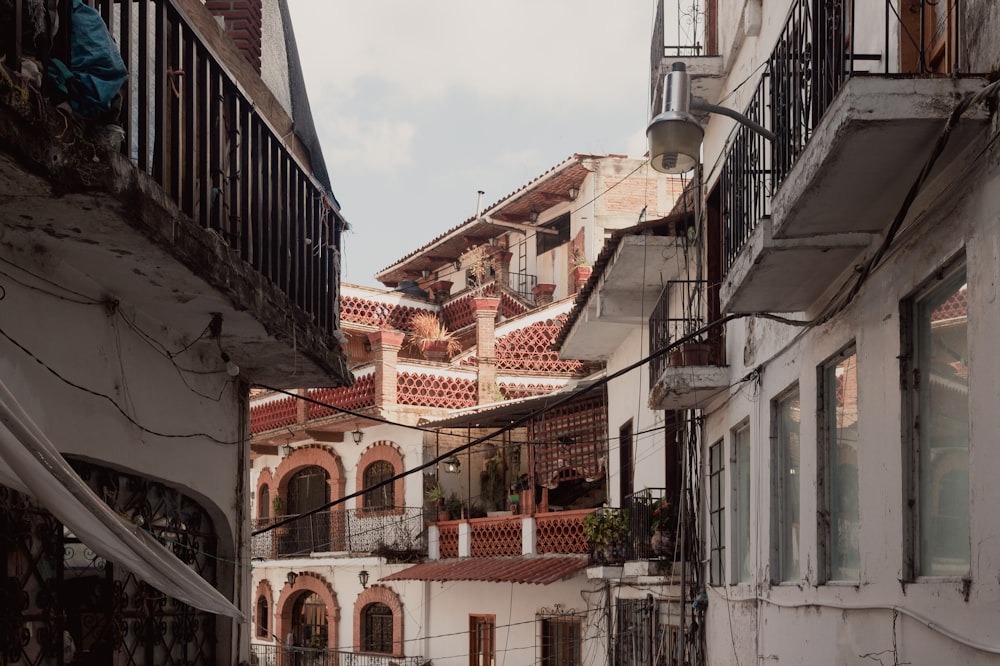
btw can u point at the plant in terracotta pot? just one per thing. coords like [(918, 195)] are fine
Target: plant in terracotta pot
[(435, 496), (429, 335), (606, 530), (663, 526)]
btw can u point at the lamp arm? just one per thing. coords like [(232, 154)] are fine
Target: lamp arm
[(699, 104)]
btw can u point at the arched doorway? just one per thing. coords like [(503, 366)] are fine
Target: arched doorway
[(309, 489), (310, 628)]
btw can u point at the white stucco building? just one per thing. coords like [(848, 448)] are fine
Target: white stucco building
[(838, 444)]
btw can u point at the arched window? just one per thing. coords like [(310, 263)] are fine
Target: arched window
[(264, 502), (261, 618), (376, 628), (383, 497)]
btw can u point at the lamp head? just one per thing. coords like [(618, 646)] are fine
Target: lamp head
[(452, 465), (674, 142), (357, 435), (675, 135), (363, 579)]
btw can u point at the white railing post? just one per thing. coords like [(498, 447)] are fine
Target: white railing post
[(529, 535)]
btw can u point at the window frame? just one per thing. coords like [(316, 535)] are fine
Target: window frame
[(741, 547), (548, 242), (367, 634), (475, 655), (717, 514), (827, 474), (386, 493), (954, 273), (575, 645), (783, 530)]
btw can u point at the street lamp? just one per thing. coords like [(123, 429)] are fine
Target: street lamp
[(452, 465), (675, 135), (363, 578)]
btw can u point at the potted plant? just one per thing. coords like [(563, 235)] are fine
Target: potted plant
[(454, 506), (432, 338), (606, 530), (435, 496), (662, 527), (277, 513), (697, 351)]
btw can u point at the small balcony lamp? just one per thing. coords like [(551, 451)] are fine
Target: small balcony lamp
[(452, 465), (285, 450), (363, 578), (291, 578), (675, 135), (357, 435)]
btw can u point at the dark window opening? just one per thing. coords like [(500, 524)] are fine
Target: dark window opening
[(546, 242)]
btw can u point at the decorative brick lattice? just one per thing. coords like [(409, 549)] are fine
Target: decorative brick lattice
[(461, 311), (954, 308), (448, 540), (571, 441), (273, 414), (373, 313), (496, 536), (512, 391), (362, 394), (528, 348), (425, 390), (561, 532)]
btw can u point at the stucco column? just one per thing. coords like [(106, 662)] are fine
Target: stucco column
[(464, 539), (433, 542), (385, 354), (529, 536), (486, 346)]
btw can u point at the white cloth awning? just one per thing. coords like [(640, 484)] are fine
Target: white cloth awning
[(36, 467)]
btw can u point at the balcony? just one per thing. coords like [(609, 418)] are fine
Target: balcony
[(651, 548), (279, 655), (205, 205), (553, 532), (852, 137), (695, 372), (394, 532)]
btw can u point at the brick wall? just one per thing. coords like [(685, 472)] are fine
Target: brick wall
[(243, 24)]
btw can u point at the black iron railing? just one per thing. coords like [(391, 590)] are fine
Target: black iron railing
[(280, 655), (819, 49), (397, 530), (522, 284), (191, 127), (682, 309), (651, 511)]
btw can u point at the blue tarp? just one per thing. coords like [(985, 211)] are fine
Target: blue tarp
[(96, 72)]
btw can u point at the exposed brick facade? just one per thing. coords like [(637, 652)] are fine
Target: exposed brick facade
[(486, 355), (243, 24), (385, 351)]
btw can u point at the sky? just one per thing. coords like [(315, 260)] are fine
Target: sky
[(420, 104)]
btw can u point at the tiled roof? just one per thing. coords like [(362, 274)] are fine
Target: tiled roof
[(450, 245), (539, 570)]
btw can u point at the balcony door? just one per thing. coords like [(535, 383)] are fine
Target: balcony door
[(928, 38), (309, 489)]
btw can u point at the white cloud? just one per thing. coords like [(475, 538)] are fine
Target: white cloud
[(377, 145), (546, 53)]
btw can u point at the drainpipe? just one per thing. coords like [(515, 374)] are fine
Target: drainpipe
[(683, 514), (479, 203)]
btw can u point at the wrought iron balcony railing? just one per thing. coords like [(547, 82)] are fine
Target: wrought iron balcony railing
[(191, 126), (821, 46), (399, 530), (682, 309), (280, 655), (522, 284)]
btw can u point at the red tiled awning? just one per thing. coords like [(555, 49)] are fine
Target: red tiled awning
[(540, 570)]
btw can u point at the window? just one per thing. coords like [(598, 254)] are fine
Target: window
[(561, 642), (261, 617), (545, 242), (839, 526), (936, 348), (376, 628), (482, 640), (264, 502), (626, 453), (384, 496), (717, 516), (785, 484), (641, 637), (740, 475)]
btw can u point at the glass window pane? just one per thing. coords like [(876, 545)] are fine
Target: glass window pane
[(717, 546), (786, 480), (943, 436), (741, 443), (841, 398)]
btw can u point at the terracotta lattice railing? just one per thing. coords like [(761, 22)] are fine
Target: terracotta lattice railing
[(448, 539), (496, 536), (561, 532)]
